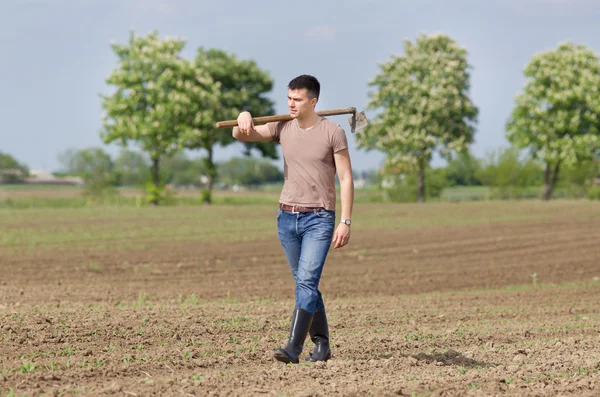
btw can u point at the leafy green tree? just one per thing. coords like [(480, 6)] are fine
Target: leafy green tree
[(425, 106), (401, 187), (93, 165), (557, 116), (576, 180), (462, 170), (248, 171), (158, 95), (243, 86), (508, 173), (182, 171), (11, 171), (131, 168)]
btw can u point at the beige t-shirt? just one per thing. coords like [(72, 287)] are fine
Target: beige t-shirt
[(309, 167)]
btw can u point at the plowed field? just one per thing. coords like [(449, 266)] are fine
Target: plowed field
[(427, 300)]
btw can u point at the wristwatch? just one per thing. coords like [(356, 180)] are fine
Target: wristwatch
[(346, 221)]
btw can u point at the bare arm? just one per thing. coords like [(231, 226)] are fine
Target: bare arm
[(247, 132), (344, 171)]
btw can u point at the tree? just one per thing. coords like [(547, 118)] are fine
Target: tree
[(157, 94), (180, 170), (462, 170), (243, 86), (508, 173), (401, 187), (93, 165), (131, 168), (11, 171), (247, 171), (577, 180), (425, 105), (557, 115)]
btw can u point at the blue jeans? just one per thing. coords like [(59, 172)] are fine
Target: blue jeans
[(306, 239)]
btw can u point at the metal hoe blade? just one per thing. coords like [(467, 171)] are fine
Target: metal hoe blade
[(358, 121)]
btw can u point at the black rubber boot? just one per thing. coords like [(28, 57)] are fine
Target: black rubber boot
[(319, 334), (301, 321)]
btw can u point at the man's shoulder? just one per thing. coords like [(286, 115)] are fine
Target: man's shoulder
[(280, 125), (277, 127), (330, 125)]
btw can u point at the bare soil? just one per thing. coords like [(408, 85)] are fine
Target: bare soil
[(494, 309)]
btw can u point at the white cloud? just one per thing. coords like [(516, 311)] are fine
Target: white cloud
[(321, 33)]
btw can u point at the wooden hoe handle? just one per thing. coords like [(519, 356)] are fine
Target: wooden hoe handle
[(285, 117)]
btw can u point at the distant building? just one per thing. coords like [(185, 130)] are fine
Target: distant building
[(40, 177)]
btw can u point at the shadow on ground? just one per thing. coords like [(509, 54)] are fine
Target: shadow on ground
[(451, 357)]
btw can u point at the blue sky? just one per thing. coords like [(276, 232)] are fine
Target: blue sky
[(56, 55)]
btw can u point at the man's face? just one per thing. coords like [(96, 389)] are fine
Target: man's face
[(299, 103)]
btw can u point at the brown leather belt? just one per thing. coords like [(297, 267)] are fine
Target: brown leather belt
[(297, 208)]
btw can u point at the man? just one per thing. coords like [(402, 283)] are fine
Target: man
[(314, 148)]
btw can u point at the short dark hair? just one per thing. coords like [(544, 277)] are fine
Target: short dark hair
[(312, 85)]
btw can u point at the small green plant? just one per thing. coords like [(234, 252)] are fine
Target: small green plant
[(159, 194), (53, 366), (206, 196), (192, 300), (198, 377), (534, 279), (94, 267), (26, 367), (593, 193), (67, 351), (142, 300), (262, 301)]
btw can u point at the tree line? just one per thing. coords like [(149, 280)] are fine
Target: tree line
[(130, 168), (164, 104), (506, 173), (423, 104)]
